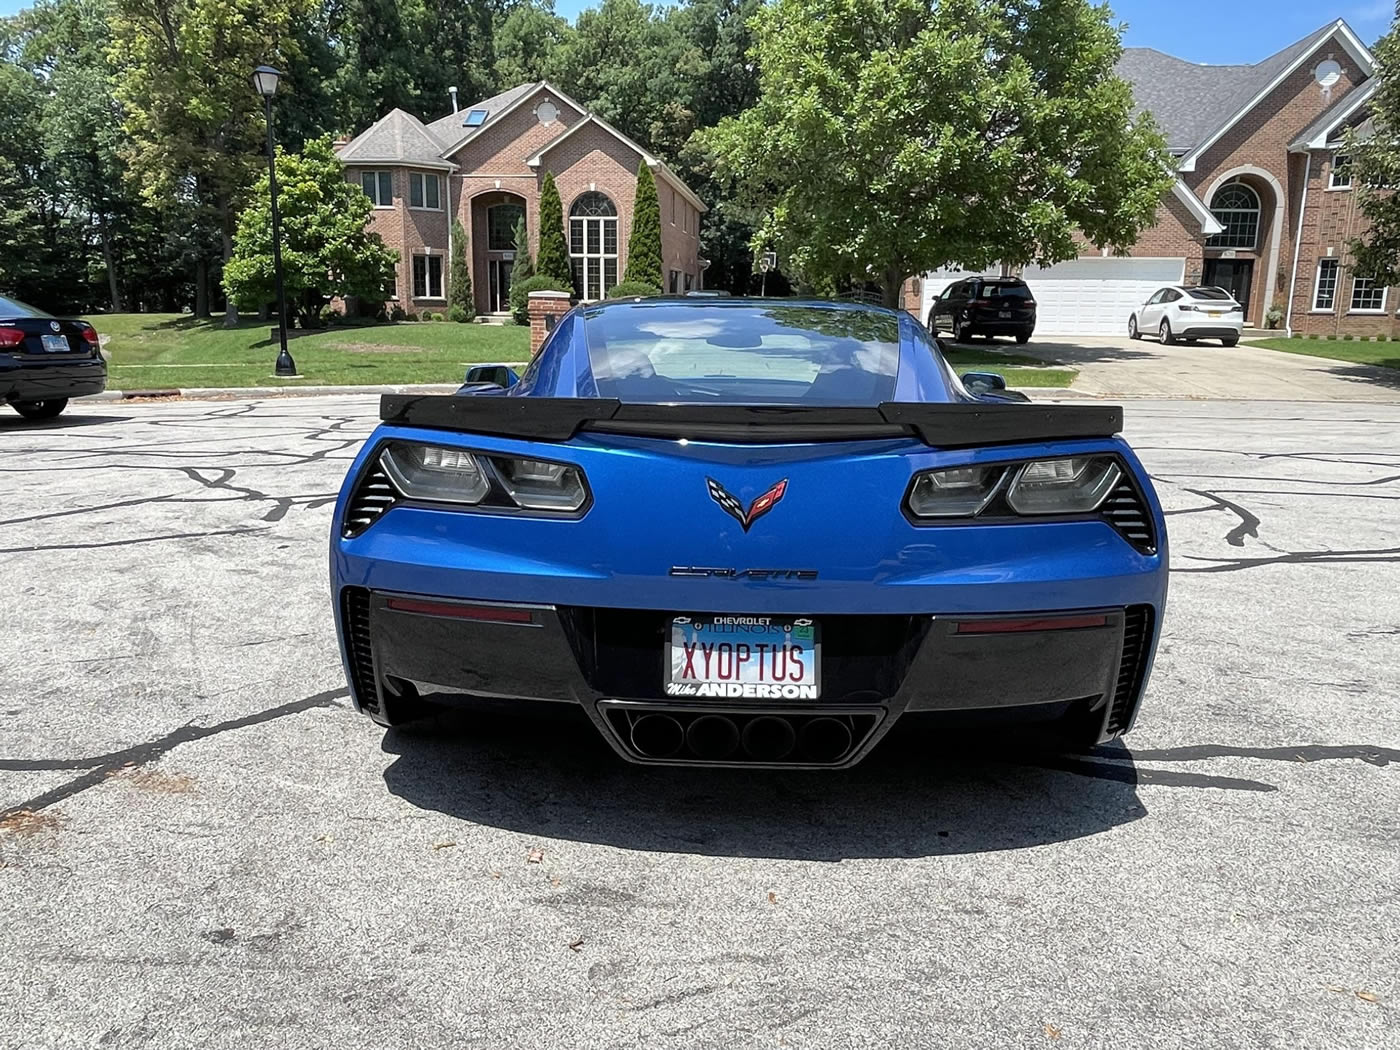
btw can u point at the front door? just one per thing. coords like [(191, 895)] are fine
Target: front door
[(1234, 275), (500, 285)]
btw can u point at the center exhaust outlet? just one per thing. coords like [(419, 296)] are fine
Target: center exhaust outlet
[(657, 736), (825, 739), (713, 737), (769, 738)]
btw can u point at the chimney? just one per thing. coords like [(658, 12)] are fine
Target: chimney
[(453, 92), (339, 141)]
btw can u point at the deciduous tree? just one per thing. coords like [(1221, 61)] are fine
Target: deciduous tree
[(893, 137), (326, 250), (1374, 149)]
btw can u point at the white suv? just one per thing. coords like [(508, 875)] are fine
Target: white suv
[(1179, 312)]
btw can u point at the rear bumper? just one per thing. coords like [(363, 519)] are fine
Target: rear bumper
[(23, 379), (999, 326), (1212, 329), (876, 669)]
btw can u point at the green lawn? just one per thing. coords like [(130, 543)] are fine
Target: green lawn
[(170, 351), (164, 351), (969, 359), (1385, 355)]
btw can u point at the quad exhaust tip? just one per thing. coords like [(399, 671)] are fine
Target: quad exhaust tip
[(723, 737)]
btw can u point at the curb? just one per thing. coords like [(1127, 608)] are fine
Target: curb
[(198, 393)]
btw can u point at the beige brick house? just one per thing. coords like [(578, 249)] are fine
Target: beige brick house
[(484, 165), (1262, 204)]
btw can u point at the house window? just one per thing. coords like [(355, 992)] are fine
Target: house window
[(689, 282), (1325, 292), (378, 187), (427, 277), (1341, 173), (500, 226), (1236, 206), (1367, 296), (424, 191), (593, 245)]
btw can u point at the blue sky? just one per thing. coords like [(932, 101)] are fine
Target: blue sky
[(1199, 30)]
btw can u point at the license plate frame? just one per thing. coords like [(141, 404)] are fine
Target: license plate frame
[(54, 344), (758, 672)]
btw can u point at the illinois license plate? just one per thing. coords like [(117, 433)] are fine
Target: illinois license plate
[(744, 658), (56, 344)]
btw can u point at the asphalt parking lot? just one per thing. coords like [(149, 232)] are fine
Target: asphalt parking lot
[(200, 845)]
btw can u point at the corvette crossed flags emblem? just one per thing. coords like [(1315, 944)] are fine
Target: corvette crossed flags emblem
[(759, 507)]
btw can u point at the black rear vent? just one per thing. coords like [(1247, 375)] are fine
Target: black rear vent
[(1137, 630), (355, 609), (1126, 512), (373, 495)]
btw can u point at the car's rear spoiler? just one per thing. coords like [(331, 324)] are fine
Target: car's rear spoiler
[(938, 425)]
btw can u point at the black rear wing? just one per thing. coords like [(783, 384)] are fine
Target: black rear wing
[(938, 425)]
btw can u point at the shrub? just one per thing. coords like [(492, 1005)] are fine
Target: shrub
[(552, 258), (1346, 338), (1273, 317), (630, 289), (1312, 335), (520, 294), (437, 317), (524, 265), (1296, 335), (644, 245), (397, 314), (457, 312), (1331, 335), (460, 287)]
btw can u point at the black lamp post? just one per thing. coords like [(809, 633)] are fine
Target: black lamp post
[(265, 84)]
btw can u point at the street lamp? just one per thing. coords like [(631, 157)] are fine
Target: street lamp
[(767, 261), (264, 80)]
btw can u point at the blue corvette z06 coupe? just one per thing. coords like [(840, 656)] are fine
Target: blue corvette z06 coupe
[(750, 533)]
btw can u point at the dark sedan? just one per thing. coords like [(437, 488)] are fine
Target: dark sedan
[(46, 360)]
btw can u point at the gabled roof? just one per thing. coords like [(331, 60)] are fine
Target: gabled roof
[(652, 162), (1196, 104), (1319, 133), (396, 138), (452, 130)]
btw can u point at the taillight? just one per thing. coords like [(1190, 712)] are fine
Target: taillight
[(10, 338), (89, 334)]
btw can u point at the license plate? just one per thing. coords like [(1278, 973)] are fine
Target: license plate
[(56, 344), (1004, 313), (744, 658)]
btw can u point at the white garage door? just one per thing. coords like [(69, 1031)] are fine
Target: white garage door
[(1094, 295)]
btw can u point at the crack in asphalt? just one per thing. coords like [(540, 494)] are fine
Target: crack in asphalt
[(99, 767)]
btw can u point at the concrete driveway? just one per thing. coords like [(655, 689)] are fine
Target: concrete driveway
[(1116, 366), (200, 846)]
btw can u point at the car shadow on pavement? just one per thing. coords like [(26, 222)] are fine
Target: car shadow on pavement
[(10, 421), (917, 795)]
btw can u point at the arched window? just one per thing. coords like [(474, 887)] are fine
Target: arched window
[(1236, 206), (593, 245)]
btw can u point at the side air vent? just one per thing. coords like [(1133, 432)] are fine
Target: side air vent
[(1127, 513), (1137, 629), (373, 495), (355, 610)]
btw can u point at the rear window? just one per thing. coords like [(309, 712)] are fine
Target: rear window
[(1006, 291), (15, 308), (728, 355), (1208, 293)]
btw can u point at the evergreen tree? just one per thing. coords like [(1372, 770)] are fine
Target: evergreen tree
[(524, 265), (462, 307), (552, 259), (1374, 149), (644, 246)]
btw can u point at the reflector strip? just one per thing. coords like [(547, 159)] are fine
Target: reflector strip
[(493, 613), (1043, 623)]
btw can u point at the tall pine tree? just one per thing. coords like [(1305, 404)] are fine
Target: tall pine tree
[(552, 259), (644, 246), (460, 289)]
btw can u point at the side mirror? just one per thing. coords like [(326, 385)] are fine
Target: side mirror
[(497, 375), (981, 382)]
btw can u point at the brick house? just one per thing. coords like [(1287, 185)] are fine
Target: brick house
[(1262, 203), (484, 166)]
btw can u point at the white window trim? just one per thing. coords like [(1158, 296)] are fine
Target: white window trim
[(1371, 310), (375, 200), (427, 275), (423, 175), (1317, 285), (1332, 176)]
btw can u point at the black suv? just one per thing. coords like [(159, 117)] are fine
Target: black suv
[(984, 306)]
